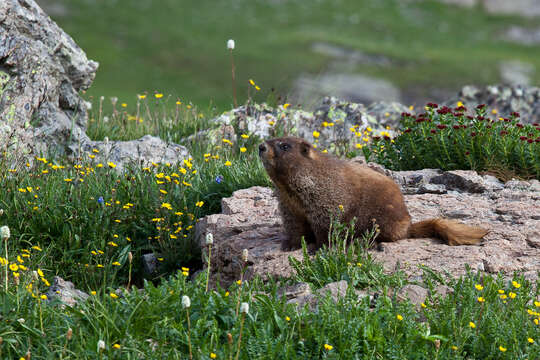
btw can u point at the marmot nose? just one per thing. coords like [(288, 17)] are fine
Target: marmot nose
[(262, 148)]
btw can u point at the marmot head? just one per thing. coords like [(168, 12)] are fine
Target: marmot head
[(280, 156)]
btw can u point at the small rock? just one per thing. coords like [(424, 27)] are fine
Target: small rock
[(458, 214), (414, 293), (65, 291), (295, 291), (431, 189), (149, 264), (462, 180), (442, 290)]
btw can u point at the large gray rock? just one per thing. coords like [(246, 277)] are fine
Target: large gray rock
[(347, 86), (511, 211), (522, 35), (42, 71), (527, 8)]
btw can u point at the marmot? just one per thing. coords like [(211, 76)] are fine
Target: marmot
[(311, 186)]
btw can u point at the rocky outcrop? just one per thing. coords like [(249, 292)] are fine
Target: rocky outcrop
[(526, 8), (505, 99), (42, 71), (511, 211), (334, 118)]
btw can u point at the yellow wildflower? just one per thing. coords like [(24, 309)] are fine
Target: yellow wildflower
[(166, 206)]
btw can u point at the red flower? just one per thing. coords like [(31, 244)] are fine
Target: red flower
[(441, 126), (433, 131), (473, 134), (480, 118), (503, 132), (444, 110), (515, 114), (469, 117), (432, 105), (530, 141), (408, 130), (522, 138), (519, 126), (467, 153), (456, 127), (481, 106)]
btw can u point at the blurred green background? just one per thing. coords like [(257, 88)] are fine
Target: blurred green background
[(409, 50)]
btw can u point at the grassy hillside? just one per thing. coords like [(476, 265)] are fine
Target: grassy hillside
[(179, 46)]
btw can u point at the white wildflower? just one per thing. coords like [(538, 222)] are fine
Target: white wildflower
[(100, 345), (186, 302), (244, 308), (230, 44), (4, 232), (245, 254), (209, 239)]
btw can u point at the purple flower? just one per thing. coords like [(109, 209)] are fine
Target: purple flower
[(219, 179), (100, 200)]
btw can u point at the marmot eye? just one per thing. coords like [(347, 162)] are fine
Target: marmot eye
[(284, 146)]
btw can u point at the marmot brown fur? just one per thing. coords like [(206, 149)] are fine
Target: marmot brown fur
[(311, 186)]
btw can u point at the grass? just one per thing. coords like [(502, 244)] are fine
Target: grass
[(84, 221), (431, 45)]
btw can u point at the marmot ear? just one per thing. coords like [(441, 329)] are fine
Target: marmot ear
[(305, 149)]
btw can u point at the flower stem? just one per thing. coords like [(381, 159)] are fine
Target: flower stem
[(240, 336), (209, 261), (189, 334), (233, 80)]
